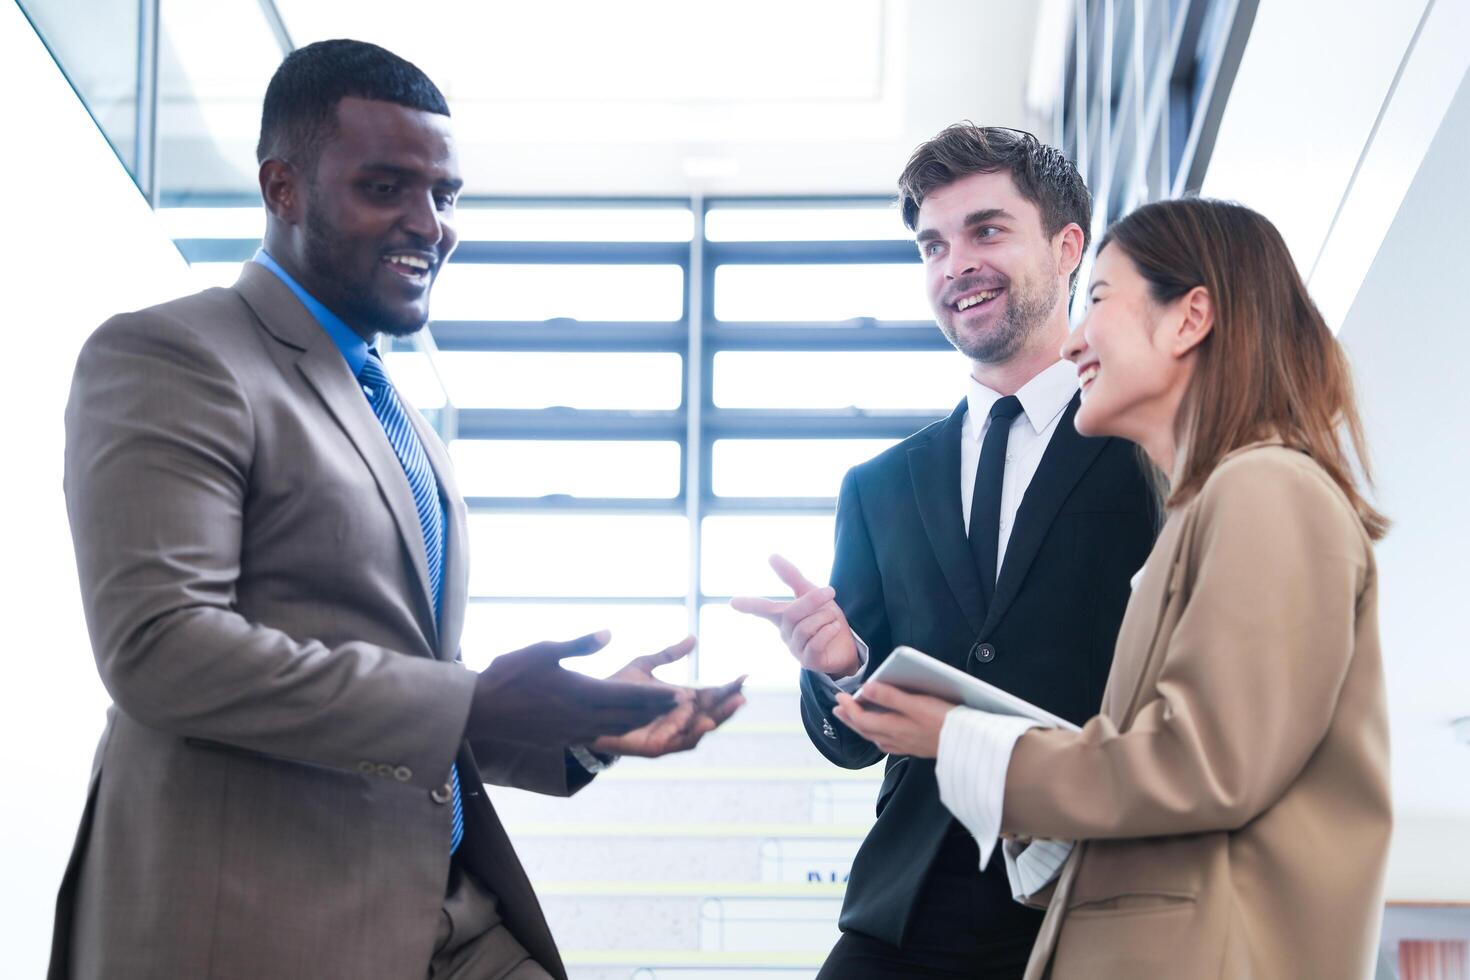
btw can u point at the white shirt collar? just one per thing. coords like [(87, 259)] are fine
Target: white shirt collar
[(1042, 398)]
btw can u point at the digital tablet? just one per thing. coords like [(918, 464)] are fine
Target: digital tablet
[(920, 673)]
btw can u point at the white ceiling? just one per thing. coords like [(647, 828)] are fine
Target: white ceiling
[(662, 97)]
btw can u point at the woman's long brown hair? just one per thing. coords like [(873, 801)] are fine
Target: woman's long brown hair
[(1269, 367)]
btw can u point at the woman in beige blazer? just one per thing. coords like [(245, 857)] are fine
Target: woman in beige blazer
[(1230, 804)]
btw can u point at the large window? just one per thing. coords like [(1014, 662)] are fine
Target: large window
[(645, 399)]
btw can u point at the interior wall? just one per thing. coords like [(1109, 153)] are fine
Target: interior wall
[(80, 245), (1406, 336)]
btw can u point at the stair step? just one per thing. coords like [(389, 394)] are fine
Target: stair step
[(690, 973), (623, 832), (661, 960), (662, 771), (726, 923), (697, 889), (638, 803), (718, 856), (772, 743)]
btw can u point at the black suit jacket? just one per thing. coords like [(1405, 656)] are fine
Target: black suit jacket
[(904, 575)]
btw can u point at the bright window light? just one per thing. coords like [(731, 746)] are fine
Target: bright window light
[(205, 275), (544, 379), (736, 550), (476, 224), (414, 378), (835, 224), (876, 380), (538, 554), (788, 467), (580, 468), (732, 643), (215, 60), (493, 628), (475, 291), (213, 222), (882, 291)]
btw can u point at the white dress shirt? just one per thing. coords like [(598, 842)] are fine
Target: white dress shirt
[(1043, 399), (971, 767)]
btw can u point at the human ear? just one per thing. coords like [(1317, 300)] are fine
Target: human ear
[(1067, 244), (1198, 319), (279, 190)]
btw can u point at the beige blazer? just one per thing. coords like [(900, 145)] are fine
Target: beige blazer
[(268, 797), (1231, 801)]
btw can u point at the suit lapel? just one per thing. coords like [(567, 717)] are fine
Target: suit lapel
[(323, 367), (329, 375), (1067, 457), (934, 468), (456, 566), (1150, 612)]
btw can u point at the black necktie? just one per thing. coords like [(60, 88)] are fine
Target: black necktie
[(985, 504)]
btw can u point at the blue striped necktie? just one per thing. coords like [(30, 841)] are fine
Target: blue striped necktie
[(415, 462)]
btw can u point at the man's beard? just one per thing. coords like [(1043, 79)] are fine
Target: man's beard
[(327, 259), (1026, 311)]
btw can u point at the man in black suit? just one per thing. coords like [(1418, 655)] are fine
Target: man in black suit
[(997, 540)]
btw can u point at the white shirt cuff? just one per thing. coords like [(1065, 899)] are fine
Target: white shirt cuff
[(588, 759), (853, 681), (1031, 867), (974, 754)]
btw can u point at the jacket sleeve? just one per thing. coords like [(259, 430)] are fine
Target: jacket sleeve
[(1250, 679), (159, 446), (549, 770), (860, 595)]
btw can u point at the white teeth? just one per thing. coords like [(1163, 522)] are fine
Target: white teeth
[(412, 261), (1087, 374), (980, 297)]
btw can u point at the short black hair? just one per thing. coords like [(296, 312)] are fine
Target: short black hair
[(1042, 173), (300, 112)]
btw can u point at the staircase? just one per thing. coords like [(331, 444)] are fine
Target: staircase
[(718, 864)]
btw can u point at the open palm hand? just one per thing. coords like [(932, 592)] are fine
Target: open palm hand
[(696, 711)]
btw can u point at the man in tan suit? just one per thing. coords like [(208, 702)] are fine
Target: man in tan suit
[(272, 555)]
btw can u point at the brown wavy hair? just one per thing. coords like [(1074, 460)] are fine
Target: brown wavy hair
[(1270, 367), (1042, 174)]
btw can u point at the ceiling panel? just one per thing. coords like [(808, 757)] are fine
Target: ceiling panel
[(590, 51), (662, 97)]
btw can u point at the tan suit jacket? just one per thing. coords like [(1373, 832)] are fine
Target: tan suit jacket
[(268, 797), (1231, 801)]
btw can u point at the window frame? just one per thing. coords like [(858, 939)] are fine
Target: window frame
[(697, 336)]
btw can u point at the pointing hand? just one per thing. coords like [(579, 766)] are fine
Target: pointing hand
[(812, 624)]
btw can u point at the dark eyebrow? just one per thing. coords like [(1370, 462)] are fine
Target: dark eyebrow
[(409, 173), (971, 220), (988, 214)]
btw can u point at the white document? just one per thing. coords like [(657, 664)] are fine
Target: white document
[(920, 673)]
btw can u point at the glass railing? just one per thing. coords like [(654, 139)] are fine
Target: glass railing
[(174, 85)]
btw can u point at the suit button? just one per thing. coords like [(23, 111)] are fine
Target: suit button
[(983, 652), (403, 774), (366, 768), (385, 770), (443, 794)]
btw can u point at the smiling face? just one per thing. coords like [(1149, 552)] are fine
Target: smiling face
[(1134, 355), (367, 231), (991, 271)]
